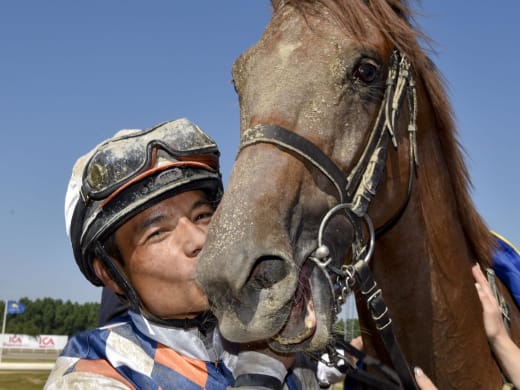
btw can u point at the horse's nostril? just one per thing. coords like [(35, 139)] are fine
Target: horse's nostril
[(267, 271)]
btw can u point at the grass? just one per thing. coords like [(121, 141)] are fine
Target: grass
[(23, 380), (34, 380)]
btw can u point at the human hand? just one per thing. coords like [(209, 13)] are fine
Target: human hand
[(422, 380), (330, 374), (505, 349), (493, 322), (357, 342)]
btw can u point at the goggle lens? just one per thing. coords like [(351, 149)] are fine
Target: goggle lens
[(120, 160)]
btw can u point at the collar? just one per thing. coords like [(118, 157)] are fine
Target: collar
[(188, 341)]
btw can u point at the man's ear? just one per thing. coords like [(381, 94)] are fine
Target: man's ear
[(104, 276)]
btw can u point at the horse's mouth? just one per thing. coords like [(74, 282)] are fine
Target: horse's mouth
[(301, 322)]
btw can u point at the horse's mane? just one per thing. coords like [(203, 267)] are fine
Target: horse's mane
[(395, 19)]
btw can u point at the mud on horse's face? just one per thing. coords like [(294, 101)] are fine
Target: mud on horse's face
[(306, 75)]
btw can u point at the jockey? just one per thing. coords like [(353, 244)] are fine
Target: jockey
[(137, 210)]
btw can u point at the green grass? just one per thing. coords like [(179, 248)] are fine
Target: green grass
[(34, 380), (23, 380), (28, 361)]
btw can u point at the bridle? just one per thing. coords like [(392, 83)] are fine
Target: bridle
[(355, 191)]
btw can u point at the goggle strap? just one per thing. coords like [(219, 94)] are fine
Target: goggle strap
[(149, 172)]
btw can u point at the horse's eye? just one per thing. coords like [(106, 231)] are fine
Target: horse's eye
[(366, 72)]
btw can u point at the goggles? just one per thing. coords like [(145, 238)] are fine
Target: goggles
[(122, 161)]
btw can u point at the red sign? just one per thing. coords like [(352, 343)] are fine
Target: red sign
[(46, 342), (14, 340), (23, 341)]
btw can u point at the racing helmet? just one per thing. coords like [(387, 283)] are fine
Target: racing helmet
[(130, 172)]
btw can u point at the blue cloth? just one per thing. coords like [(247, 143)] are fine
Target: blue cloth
[(112, 308), (14, 307), (150, 365), (122, 352), (506, 264)]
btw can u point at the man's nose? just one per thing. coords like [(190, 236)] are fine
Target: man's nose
[(193, 236)]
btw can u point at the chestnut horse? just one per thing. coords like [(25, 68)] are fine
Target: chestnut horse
[(338, 99)]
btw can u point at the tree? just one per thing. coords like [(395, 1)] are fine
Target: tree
[(52, 316), (349, 330)]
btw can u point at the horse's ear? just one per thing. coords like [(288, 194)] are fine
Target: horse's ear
[(277, 4), (399, 11), (400, 7)]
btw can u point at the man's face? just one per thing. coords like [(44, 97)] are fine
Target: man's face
[(159, 247)]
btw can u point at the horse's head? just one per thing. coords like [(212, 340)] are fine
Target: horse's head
[(322, 75)]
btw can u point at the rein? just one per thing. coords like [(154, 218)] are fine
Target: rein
[(355, 192)]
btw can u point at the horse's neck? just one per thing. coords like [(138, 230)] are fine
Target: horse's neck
[(428, 287)]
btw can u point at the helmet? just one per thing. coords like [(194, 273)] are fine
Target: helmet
[(130, 172)]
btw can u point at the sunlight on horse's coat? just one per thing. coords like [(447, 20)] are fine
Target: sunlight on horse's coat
[(320, 71)]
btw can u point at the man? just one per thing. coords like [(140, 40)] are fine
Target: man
[(137, 211)]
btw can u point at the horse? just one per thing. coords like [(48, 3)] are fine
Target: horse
[(349, 151)]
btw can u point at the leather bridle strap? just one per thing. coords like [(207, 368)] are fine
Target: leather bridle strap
[(379, 312), (295, 143), (357, 190), (389, 381), (360, 185)]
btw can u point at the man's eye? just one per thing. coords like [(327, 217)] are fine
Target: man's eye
[(204, 216), (155, 234)]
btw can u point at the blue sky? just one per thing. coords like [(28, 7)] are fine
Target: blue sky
[(72, 73)]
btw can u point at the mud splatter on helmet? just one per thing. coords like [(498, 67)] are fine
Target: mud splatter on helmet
[(130, 172)]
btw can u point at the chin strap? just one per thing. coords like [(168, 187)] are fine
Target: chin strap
[(204, 321), (117, 275)]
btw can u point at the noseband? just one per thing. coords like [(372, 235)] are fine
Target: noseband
[(355, 191)]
